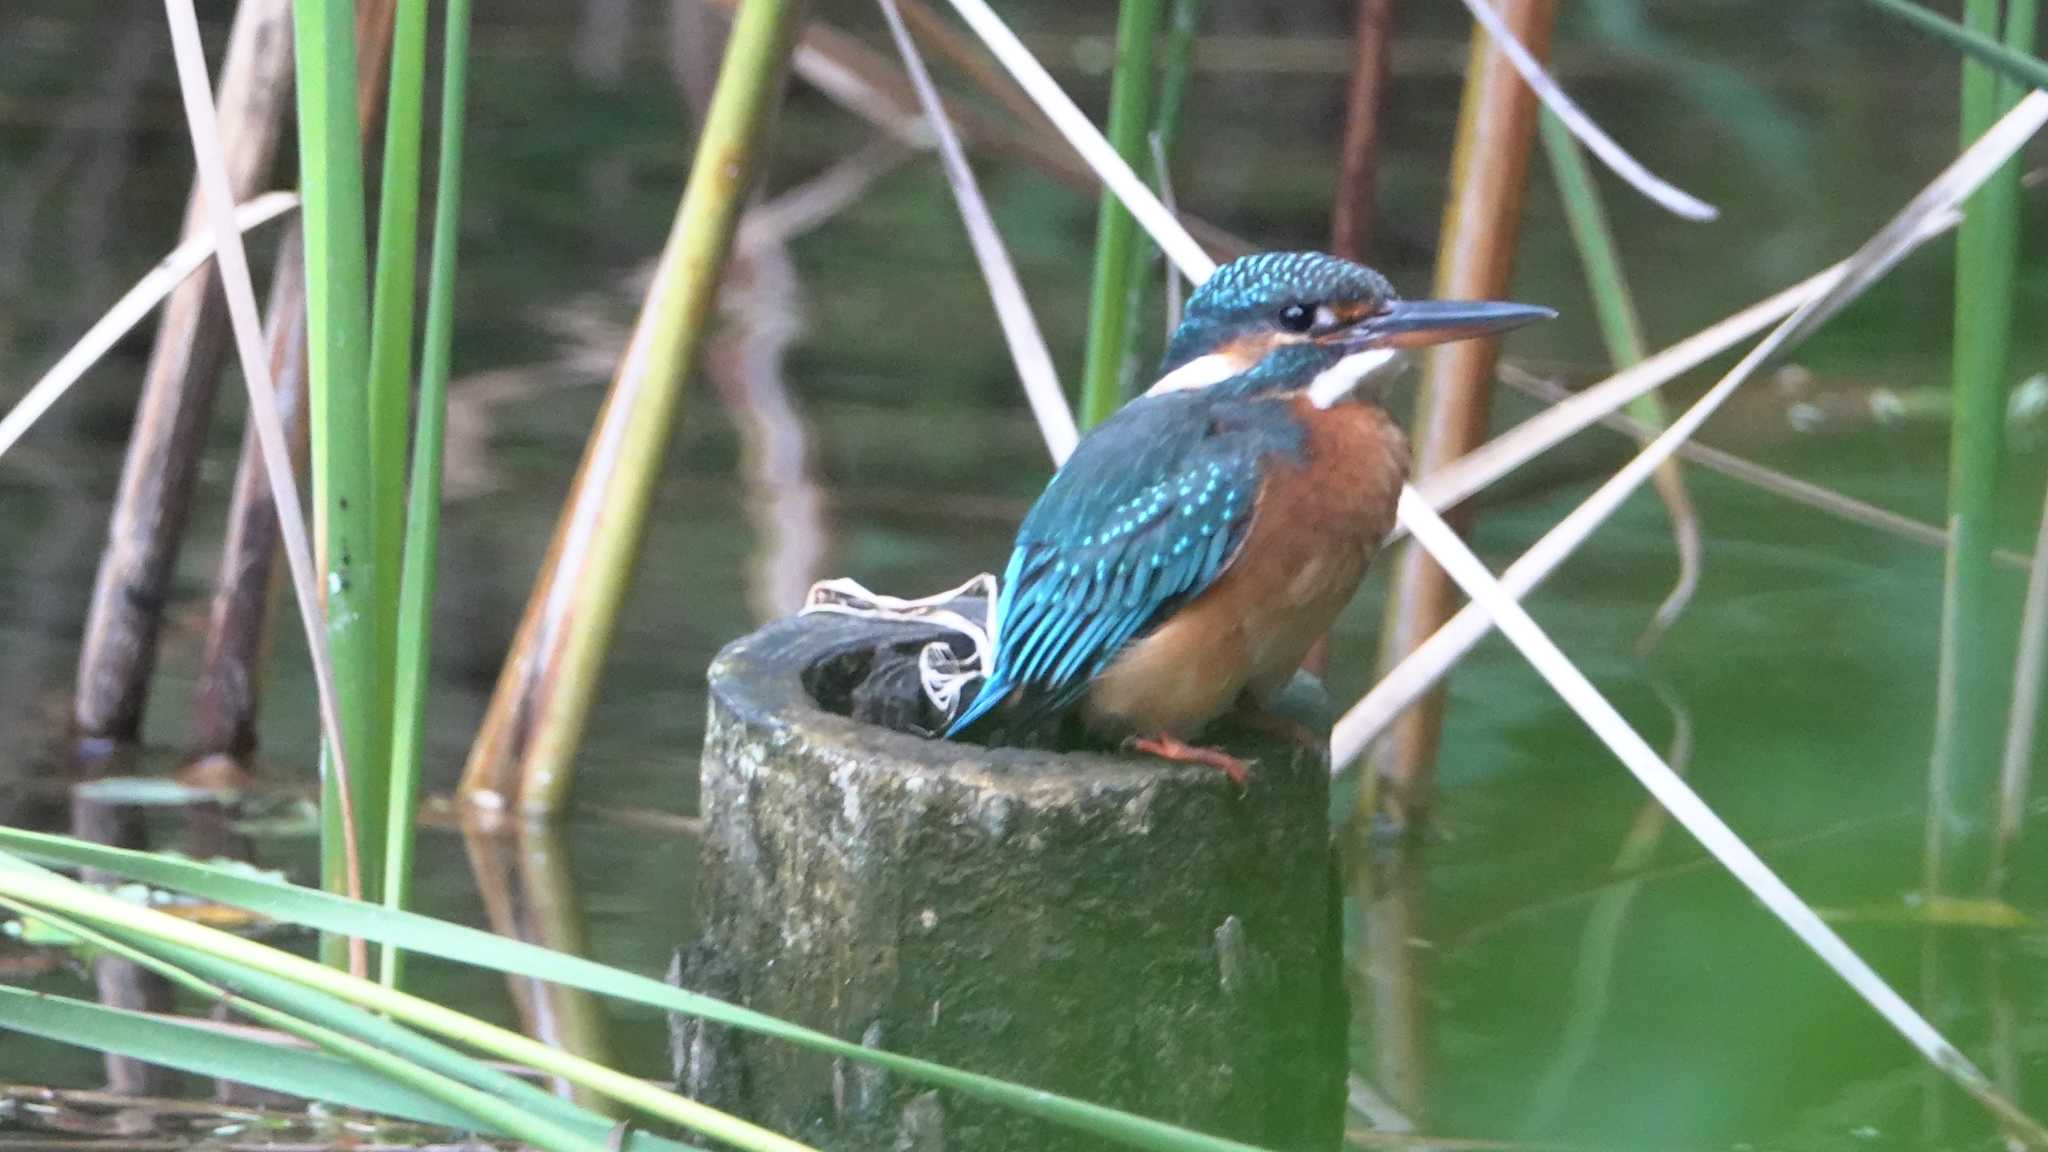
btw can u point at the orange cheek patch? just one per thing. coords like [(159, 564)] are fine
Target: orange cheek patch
[(1245, 351)]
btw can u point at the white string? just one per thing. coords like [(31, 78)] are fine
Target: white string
[(942, 675)]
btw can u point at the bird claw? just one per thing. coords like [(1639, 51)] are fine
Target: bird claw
[(1169, 748)]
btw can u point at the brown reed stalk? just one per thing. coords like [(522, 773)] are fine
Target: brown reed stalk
[(1482, 216), (1354, 213), (238, 628), (157, 476)]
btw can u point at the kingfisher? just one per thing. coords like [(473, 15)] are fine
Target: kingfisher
[(1183, 560)]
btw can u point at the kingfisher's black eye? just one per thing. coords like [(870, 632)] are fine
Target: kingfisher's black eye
[(1297, 317)]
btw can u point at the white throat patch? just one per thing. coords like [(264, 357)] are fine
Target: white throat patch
[(1338, 380)]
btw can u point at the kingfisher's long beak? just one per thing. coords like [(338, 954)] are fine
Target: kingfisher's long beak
[(1377, 341), (1418, 323)]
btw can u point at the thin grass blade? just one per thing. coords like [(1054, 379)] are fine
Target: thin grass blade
[(1174, 73), (337, 352), (1621, 330), (322, 911), (423, 516), (2029, 666), (2028, 70), (493, 1110), (205, 1051), (1961, 779), (126, 313), (1109, 298), (1020, 328), (2030, 675), (1771, 480), (113, 915), (1662, 192)]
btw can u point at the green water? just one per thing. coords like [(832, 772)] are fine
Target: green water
[(1540, 997)]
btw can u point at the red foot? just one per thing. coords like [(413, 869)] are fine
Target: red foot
[(1169, 748)]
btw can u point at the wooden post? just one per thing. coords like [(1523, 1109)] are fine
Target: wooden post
[(1118, 929), (1489, 166)]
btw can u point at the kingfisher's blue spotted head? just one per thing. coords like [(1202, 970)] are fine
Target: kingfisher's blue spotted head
[(1279, 321)]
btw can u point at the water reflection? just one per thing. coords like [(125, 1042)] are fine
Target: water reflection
[(121, 983), (1391, 963), (761, 309), (1600, 940), (524, 879)]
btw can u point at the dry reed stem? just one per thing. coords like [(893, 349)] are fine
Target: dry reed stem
[(1510, 40), (1688, 809), (1139, 200), (239, 621), (1490, 599), (180, 263), (1777, 483), (1355, 207), (1021, 333), (1530, 439), (1399, 687)]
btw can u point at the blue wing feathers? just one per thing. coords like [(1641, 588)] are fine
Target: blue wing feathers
[(1144, 516)]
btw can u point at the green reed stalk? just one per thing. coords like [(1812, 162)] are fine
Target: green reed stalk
[(1613, 305), (1173, 86), (391, 321), (337, 338), (1130, 91), (1963, 775), (423, 516)]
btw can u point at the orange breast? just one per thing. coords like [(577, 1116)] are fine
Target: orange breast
[(1313, 532)]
